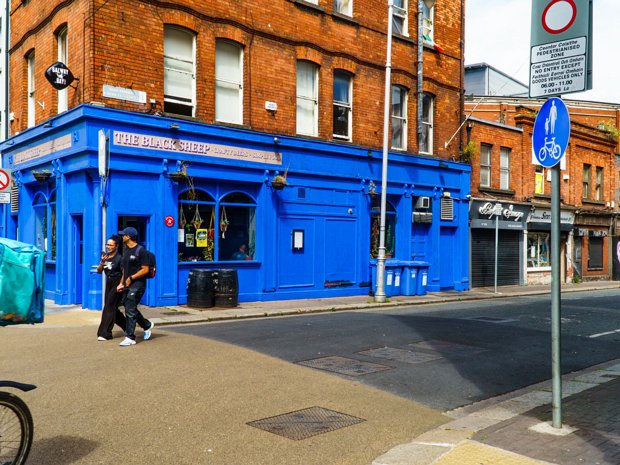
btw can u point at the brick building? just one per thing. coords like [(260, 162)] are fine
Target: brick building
[(500, 131), (205, 105)]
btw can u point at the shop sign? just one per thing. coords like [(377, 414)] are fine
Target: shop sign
[(509, 213), (169, 221), (59, 76), (544, 216), (43, 149), (122, 93), (192, 147)]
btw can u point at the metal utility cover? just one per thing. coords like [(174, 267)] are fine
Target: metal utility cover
[(306, 423), (343, 365), (401, 355)]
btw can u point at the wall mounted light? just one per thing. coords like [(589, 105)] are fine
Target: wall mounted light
[(174, 126)]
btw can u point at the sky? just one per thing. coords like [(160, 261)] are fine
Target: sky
[(497, 32)]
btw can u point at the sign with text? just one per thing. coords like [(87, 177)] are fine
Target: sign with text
[(561, 47), (5, 186), (59, 76)]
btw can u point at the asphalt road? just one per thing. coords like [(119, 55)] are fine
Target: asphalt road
[(443, 356)]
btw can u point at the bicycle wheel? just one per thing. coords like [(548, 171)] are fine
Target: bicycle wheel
[(542, 154), (557, 151), (16, 430)]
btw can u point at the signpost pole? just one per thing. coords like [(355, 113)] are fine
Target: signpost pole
[(496, 247), (555, 298)]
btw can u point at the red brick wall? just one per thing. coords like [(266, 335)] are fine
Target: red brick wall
[(120, 43)]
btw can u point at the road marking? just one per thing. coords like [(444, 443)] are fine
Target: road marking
[(605, 334)]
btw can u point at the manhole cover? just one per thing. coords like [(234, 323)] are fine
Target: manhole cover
[(400, 355), (489, 319), (446, 347), (343, 365), (306, 423)]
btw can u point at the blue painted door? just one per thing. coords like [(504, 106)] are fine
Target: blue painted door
[(296, 268), (78, 257)]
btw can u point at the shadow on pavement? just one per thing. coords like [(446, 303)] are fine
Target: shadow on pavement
[(60, 450)]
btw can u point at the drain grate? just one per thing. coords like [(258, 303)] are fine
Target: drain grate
[(343, 365), (400, 355), (306, 423), (446, 347), (489, 319)]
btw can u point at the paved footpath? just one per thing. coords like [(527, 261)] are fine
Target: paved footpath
[(513, 429)]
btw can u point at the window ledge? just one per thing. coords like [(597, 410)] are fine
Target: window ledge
[(345, 18), (407, 39), (492, 190), (221, 262), (231, 125), (593, 202), (538, 269), (310, 6)]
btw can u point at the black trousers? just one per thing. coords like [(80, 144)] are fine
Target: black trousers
[(111, 314)]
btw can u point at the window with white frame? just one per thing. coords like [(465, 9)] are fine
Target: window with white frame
[(307, 98), (428, 28), (485, 165), (426, 137), (61, 40), (504, 168), (586, 181), (399, 118), (399, 17), (538, 250), (31, 94), (343, 84), (539, 180), (179, 71), (598, 193), (344, 7), (228, 82)]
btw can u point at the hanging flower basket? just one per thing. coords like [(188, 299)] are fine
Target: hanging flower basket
[(177, 176), (42, 176), (278, 183)]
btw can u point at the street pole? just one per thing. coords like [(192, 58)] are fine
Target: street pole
[(380, 292), (555, 298), (496, 248)]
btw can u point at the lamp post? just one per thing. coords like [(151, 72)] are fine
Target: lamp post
[(380, 292)]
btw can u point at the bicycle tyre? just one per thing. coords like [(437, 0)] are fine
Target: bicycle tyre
[(557, 151), (16, 430), (542, 154)]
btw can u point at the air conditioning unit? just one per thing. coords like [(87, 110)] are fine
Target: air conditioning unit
[(423, 203)]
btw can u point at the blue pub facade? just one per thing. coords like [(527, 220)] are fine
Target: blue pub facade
[(306, 211)]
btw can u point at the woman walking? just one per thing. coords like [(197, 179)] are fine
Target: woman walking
[(111, 264)]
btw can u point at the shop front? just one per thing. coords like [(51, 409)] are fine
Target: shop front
[(538, 237), (296, 218), (497, 242), (592, 244)]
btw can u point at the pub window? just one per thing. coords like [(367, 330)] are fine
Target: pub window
[(399, 17), (598, 193), (45, 224), (375, 225), (179, 71), (399, 118), (586, 181), (211, 230)]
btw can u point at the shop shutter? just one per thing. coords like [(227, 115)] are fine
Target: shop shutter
[(483, 258)]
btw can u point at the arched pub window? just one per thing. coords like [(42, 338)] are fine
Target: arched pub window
[(375, 227), (45, 224), (211, 230)]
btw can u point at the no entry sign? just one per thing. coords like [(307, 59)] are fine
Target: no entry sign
[(5, 186)]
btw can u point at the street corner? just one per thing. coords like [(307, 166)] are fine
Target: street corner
[(474, 453)]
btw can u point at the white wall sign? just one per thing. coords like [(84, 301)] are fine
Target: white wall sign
[(121, 93)]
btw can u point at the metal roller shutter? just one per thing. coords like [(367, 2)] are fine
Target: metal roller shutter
[(483, 258)]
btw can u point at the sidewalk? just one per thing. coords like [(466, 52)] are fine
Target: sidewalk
[(513, 429)]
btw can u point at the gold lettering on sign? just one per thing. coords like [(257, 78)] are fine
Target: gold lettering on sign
[(168, 144)]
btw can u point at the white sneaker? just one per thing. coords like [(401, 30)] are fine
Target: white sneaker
[(101, 338), (127, 342), (148, 332)]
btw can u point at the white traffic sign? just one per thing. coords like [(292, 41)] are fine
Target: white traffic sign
[(5, 180), (560, 58)]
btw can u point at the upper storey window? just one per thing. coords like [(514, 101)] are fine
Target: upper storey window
[(342, 105), (228, 82), (428, 18), (307, 98), (61, 40), (31, 94), (344, 7), (399, 17), (179, 71)]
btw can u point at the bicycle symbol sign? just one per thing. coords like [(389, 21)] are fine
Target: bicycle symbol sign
[(551, 132)]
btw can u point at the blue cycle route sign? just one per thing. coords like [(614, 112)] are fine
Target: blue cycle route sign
[(551, 132)]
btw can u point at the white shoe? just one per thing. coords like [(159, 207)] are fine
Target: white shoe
[(148, 332), (101, 338), (127, 342)]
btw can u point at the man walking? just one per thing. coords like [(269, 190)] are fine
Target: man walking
[(134, 263)]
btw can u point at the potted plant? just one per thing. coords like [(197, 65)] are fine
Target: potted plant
[(469, 151), (279, 181)]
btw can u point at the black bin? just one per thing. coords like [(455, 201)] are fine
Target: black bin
[(201, 288), (226, 288)]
